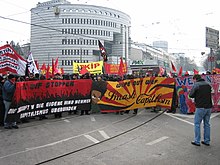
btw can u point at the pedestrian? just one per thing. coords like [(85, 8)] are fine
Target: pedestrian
[(7, 94), (201, 92), (2, 106)]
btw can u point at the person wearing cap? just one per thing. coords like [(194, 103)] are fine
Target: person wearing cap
[(201, 92), (7, 95)]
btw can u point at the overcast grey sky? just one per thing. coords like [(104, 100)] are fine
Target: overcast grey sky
[(181, 23)]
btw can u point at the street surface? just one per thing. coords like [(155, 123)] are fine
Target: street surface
[(147, 138)]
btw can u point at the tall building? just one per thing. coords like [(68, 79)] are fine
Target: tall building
[(71, 32)]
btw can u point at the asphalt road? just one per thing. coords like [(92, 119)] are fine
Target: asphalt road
[(109, 139)]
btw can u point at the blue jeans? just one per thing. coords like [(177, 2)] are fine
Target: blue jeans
[(202, 114), (7, 107)]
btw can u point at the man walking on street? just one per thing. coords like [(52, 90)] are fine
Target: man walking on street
[(7, 94), (201, 92)]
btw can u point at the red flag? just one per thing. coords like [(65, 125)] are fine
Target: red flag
[(36, 63), (195, 71), (43, 69), (48, 71), (171, 75), (103, 52), (173, 67), (187, 73), (56, 66), (120, 69), (180, 72), (161, 72), (62, 71), (53, 67), (56, 63), (83, 70)]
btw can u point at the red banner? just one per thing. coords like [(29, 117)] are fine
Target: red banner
[(113, 68), (34, 98)]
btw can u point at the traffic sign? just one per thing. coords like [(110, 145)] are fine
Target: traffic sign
[(212, 38)]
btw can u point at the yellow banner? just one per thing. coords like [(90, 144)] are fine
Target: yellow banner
[(136, 93), (92, 67)]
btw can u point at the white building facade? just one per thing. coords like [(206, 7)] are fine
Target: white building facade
[(71, 32)]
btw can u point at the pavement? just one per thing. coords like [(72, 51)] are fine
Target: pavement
[(108, 139)]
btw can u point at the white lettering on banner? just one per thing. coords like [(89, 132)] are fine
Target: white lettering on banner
[(62, 109), (82, 101), (68, 102), (35, 113), (6, 50), (7, 58), (54, 103), (8, 64), (23, 108), (12, 111), (40, 105)]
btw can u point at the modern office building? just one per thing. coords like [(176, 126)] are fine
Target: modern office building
[(161, 45), (71, 32)]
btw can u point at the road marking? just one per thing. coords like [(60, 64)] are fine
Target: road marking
[(13, 154), (214, 115), (92, 118), (157, 140), (66, 121), (91, 138), (192, 116), (184, 115), (179, 118), (104, 134)]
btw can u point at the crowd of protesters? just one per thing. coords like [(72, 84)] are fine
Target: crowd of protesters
[(33, 77)]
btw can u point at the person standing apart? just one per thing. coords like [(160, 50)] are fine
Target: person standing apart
[(7, 94), (201, 92)]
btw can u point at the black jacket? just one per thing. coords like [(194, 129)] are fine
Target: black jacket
[(201, 91)]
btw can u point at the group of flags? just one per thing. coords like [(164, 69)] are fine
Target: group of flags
[(50, 71), (181, 70), (122, 66), (11, 61)]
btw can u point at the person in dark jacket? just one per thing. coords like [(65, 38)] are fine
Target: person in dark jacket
[(201, 92), (7, 94), (2, 106)]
